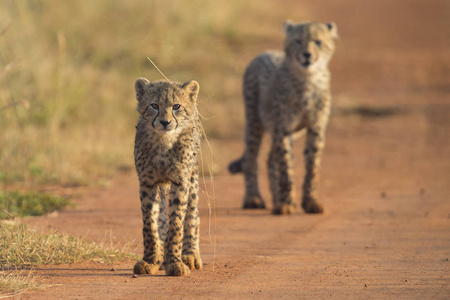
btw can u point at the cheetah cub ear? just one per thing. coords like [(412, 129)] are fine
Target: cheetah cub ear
[(333, 29), (140, 87), (192, 88), (140, 92), (288, 25)]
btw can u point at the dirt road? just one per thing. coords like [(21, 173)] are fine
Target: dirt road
[(384, 184)]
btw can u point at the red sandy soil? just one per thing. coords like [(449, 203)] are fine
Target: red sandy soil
[(385, 185)]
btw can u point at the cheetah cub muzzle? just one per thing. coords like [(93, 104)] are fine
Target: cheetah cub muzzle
[(166, 151), (287, 92)]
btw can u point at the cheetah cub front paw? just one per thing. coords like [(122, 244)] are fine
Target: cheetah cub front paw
[(253, 202), (193, 261), (177, 269), (312, 207), (142, 267), (283, 209)]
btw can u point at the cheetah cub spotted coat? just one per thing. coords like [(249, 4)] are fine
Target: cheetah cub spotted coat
[(166, 156), (287, 92)]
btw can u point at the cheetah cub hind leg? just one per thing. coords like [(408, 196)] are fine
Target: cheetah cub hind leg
[(252, 198)]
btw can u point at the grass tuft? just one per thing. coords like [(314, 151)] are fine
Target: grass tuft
[(20, 246), (15, 282)]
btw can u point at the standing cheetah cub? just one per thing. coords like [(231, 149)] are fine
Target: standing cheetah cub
[(166, 156), (286, 93)]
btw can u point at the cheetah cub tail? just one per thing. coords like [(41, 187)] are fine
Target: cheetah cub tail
[(235, 166)]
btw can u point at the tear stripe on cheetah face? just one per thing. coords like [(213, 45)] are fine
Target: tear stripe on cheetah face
[(166, 154), (286, 93), (166, 107)]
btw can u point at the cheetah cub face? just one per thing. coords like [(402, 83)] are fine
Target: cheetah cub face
[(309, 45), (166, 108)]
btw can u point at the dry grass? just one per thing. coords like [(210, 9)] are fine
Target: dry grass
[(14, 282), (21, 247), (67, 71)]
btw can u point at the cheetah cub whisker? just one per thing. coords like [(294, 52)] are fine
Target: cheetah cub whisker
[(284, 93), (166, 151)]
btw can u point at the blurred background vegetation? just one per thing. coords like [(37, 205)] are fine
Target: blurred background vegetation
[(67, 72)]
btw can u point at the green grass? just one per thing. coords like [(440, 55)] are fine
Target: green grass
[(67, 73), (15, 204)]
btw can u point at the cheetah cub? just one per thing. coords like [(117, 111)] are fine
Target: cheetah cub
[(286, 92), (166, 152)]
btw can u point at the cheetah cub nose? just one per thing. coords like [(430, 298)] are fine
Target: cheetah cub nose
[(164, 123)]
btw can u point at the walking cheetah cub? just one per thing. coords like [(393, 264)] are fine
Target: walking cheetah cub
[(285, 93), (166, 156)]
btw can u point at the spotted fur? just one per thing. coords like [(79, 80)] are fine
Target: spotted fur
[(166, 151), (287, 92)]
